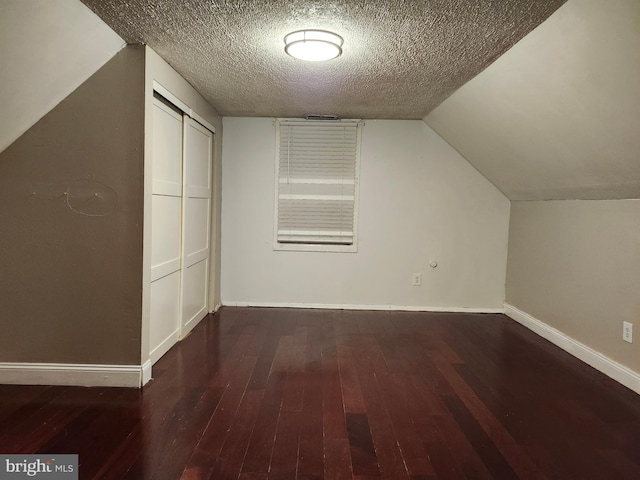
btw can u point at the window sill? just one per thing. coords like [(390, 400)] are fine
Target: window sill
[(294, 247)]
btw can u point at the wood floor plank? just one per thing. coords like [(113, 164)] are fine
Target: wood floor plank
[(337, 463), (51, 413), (217, 430), (260, 448), (506, 444), (20, 403), (351, 391), (332, 404), (228, 463), (396, 396), (364, 461), (95, 424), (466, 458), (264, 365), (271, 394), (481, 442), (284, 459), (161, 432), (388, 453), (293, 399), (423, 412), (311, 446)]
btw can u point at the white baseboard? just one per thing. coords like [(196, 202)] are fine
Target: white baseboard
[(146, 372), (329, 306), (600, 362), (73, 374)]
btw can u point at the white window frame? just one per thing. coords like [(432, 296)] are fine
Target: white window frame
[(317, 247)]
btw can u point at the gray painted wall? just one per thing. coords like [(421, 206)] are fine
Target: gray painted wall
[(558, 115), (71, 210), (575, 265)]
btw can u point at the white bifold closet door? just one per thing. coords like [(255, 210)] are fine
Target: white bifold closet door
[(180, 239)]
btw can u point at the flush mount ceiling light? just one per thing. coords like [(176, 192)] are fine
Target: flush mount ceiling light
[(313, 45)]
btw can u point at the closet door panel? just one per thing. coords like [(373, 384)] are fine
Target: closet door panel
[(165, 310), (167, 147), (166, 227), (166, 218), (194, 300), (197, 158), (199, 143), (197, 224)]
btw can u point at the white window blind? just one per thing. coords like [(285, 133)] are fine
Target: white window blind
[(317, 182)]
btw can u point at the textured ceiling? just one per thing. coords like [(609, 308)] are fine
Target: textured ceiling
[(401, 58)]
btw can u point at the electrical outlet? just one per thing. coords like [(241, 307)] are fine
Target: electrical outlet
[(417, 279), (627, 332)]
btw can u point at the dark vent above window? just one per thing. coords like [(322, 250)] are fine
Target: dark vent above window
[(322, 117)]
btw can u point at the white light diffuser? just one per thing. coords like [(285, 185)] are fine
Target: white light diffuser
[(313, 45)]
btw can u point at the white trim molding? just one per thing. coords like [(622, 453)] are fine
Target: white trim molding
[(600, 362), (400, 308), (85, 375), (182, 106), (146, 372)]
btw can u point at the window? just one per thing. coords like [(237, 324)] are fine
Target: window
[(317, 165)]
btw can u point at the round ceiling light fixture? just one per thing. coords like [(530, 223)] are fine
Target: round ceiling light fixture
[(313, 45)]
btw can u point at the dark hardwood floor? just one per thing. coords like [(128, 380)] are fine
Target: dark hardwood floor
[(258, 393)]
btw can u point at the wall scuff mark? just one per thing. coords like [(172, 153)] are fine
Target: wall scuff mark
[(91, 198)]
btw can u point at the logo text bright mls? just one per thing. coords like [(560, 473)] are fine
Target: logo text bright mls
[(58, 467), (30, 468)]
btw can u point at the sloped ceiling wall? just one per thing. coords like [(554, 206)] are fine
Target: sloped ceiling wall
[(48, 48), (558, 115)]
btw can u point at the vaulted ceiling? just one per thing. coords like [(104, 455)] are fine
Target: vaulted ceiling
[(541, 96), (401, 58)]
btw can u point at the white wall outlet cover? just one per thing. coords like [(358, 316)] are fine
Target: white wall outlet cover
[(627, 332)]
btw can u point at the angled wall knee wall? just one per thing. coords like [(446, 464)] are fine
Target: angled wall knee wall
[(71, 196), (573, 276)]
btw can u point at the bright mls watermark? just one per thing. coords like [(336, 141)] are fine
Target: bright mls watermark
[(52, 467)]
